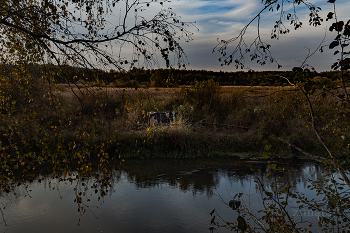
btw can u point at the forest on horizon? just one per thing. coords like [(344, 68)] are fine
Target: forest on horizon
[(176, 77)]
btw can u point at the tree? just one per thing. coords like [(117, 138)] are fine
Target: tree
[(83, 33), (43, 41), (259, 50), (331, 129)]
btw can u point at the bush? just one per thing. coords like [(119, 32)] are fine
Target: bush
[(97, 102)]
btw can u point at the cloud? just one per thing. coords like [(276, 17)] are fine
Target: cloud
[(225, 19), (203, 11)]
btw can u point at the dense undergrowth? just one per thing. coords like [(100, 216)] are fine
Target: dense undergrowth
[(43, 123)]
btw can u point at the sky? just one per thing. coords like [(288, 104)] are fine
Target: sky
[(224, 19)]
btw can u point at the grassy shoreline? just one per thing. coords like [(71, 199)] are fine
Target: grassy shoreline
[(62, 125)]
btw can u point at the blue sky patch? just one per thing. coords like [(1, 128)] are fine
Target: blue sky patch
[(214, 9)]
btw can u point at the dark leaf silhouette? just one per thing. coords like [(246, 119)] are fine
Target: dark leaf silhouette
[(334, 44), (242, 225), (338, 26), (211, 212), (347, 31), (234, 204), (329, 16)]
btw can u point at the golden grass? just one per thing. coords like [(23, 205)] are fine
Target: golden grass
[(164, 92)]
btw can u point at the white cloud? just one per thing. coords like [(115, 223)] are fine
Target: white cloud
[(217, 22), (225, 19)]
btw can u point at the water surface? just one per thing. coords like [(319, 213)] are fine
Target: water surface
[(143, 196)]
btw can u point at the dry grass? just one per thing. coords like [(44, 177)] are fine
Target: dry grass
[(281, 110), (165, 93)]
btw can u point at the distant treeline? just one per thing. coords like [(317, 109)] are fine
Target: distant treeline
[(175, 77), (168, 77)]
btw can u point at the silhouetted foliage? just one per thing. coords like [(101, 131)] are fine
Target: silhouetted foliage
[(330, 128)]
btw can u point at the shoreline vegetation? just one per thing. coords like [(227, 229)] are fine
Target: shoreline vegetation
[(47, 122)]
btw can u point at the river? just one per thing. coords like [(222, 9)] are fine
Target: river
[(147, 196)]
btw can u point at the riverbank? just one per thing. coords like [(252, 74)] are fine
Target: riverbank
[(63, 125)]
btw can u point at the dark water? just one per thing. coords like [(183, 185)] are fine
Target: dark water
[(142, 196)]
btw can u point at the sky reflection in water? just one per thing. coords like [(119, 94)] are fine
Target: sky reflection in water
[(145, 196)]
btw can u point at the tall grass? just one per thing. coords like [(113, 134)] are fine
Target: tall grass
[(209, 121), (88, 122)]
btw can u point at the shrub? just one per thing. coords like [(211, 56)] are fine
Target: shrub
[(91, 102)]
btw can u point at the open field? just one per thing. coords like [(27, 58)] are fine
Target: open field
[(166, 92), (58, 124), (169, 92), (219, 121)]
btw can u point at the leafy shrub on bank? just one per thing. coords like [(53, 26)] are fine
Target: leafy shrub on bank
[(206, 102)]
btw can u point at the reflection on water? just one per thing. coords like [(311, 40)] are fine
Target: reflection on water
[(140, 196)]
